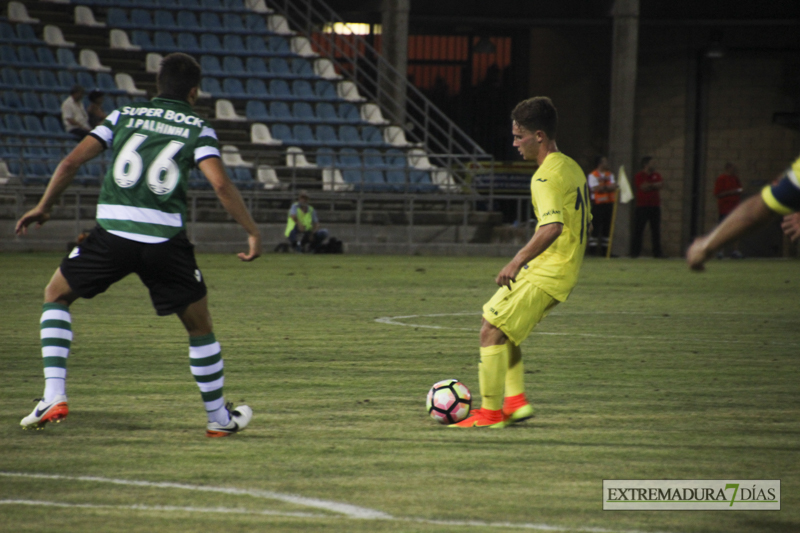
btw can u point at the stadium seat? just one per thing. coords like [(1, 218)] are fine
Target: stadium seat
[(86, 80), (224, 110), (256, 44), (66, 80), (327, 135), (54, 37), (12, 103), (279, 67), (51, 104), (8, 55), (349, 135), (164, 20), (283, 133), (232, 158), (280, 89), (280, 111), (349, 158), (125, 83), (259, 6), (395, 136), (18, 13), (304, 135), (7, 34), (163, 40), (232, 87), (256, 65), (27, 56), (324, 68), (302, 47), (118, 40), (210, 20), (268, 178), (187, 42), (187, 21), (349, 113), (210, 43), (141, 19), (32, 124), (85, 17), (31, 103), (48, 79), (349, 91), (278, 24), (45, 57), (25, 34), (116, 17), (332, 180), (296, 158), (255, 23), (302, 111), (259, 134), (233, 43), (10, 78), (325, 90), (374, 159), (66, 58), (243, 178), (256, 110), (372, 136), (232, 22), (372, 113), (302, 89), (302, 68), (139, 38), (210, 65), (30, 79), (232, 65), (277, 45), (210, 86), (89, 59), (327, 113)]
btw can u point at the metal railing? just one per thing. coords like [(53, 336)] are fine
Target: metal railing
[(371, 72)]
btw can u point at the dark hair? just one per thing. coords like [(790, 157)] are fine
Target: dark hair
[(646, 159), (76, 89), (597, 160), (535, 114), (179, 74), (95, 95)]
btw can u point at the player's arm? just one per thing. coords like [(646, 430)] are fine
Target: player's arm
[(86, 150), (541, 241), (233, 203)]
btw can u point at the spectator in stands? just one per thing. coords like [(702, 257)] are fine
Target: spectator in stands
[(728, 190), (73, 114), (648, 183), (95, 109), (302, 226), (602, 186)]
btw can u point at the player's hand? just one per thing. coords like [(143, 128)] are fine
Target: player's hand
[(508, 275), (697, 254), (791, 226), (37, 214), (255, 248)]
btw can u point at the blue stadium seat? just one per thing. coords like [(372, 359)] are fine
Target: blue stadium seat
[(399, 179), (141, 19), (327, 113), (33, 149), (11, 103), (349, 136), (302, 89), (278, 45), (233, 87), (279, 66), (256, 65), (107, 84), (51, 104), (32, 103), (255, 23), (211, 4), (243, 178), (325, 158), (108, 104), (372, 136), (374, 181), (256, 110), (67, 59), (349, 158), (256, 44), (30, 79), (164, 20), (304, 135), (116, 18), (33, 126), (233, 65), (187, 42), (54, 127), (26, 34), (374, 159), (232, 22), (46, 57), (27, 56), (48, 79), (257, 88), (210, 65), (303, 111), (7, 34), (280, 111), (210, 20), (327, 135), (10, 78), (281, 132), (86, 81), (210, 43), (35, 173), (349, 113), (302, 68), (189, 3), (162, 40), (395, 158), (188, 21), (233, 43), (325, 90), (8, 55), (211, 85), (141, 38), (234, 5), (280, 89)]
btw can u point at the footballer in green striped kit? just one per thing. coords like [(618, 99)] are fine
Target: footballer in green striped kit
[(141, 229)]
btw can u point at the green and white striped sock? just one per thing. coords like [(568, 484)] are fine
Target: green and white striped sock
[(205, 358), (56, 334)]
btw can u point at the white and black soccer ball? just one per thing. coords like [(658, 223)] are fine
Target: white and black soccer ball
[(449, 401)]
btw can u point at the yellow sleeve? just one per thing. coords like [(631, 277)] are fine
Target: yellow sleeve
[(549, 200)]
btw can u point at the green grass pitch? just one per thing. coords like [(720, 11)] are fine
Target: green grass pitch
[(648, 371)]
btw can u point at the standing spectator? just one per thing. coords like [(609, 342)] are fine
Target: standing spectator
[(602, 186), (95, 109), (302, 226), (728, 190), (648, 183), (76, 121)]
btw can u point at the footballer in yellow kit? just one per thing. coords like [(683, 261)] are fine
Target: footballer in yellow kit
[(542, 274)]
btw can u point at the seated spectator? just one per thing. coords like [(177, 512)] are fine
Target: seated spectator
[(95, 109), (302, 226), (74, 116)]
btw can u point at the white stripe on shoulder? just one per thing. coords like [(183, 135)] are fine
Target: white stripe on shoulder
[(147, 239), (208, 132), (113, 117), (105, 133), (139, 214), (201, 152)]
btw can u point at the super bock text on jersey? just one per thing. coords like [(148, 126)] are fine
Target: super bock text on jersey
[(156, 144)]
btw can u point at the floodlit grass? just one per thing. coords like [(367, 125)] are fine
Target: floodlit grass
[(647, 372)]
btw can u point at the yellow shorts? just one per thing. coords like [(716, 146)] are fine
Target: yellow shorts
[(517, 311)]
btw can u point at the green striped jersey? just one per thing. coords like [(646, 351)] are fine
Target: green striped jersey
[(155, 145)]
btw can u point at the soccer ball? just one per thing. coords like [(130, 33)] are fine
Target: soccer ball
[(449, 401)]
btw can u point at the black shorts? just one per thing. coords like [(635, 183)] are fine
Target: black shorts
[(167, 269)]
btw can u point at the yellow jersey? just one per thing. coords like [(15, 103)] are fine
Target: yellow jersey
[(559, 193)]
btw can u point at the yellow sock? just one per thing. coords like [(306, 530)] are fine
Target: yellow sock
[(515, 376), (492, 374)]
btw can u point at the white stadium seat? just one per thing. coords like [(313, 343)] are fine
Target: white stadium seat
[(349, 91), (118, 40), (324, 68), (278, 24), (54, 37), (372, 113), (126, 83), (225, 111), (395, 136), (153, 62), (85, 17), (259, 134), (232, 158), (17, 12), (258, 6), (88, 58), (268, 178), (302, 47), (332, 180), (295, 158)]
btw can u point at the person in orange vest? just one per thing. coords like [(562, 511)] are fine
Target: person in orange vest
[(603, 187)]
